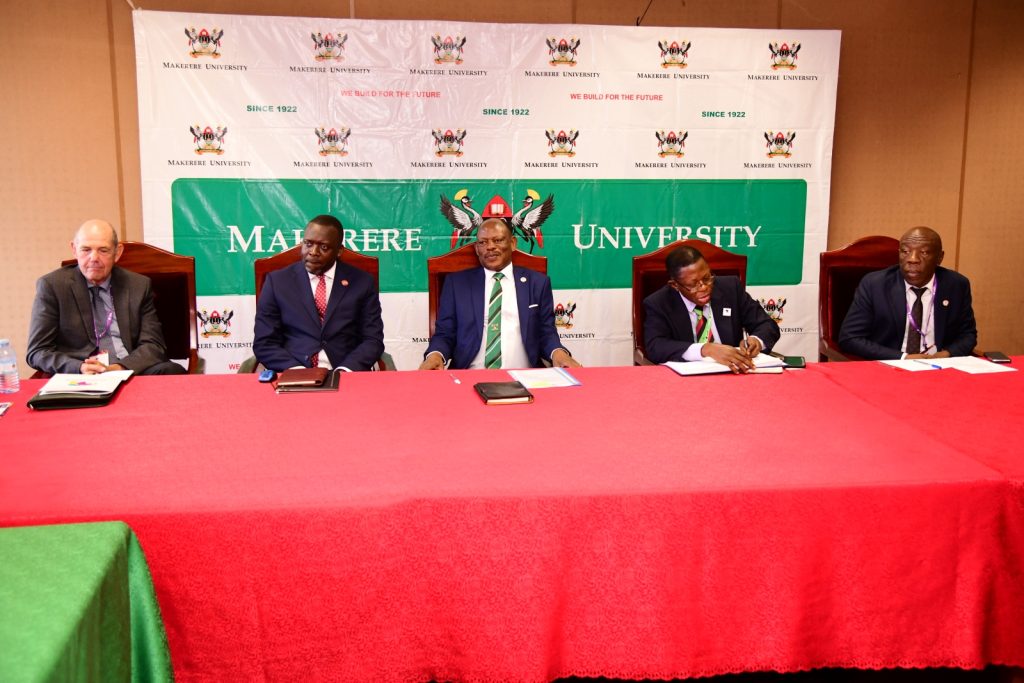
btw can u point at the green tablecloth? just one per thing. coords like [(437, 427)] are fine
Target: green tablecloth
[(77, 604)]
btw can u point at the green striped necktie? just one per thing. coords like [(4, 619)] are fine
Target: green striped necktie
[(492, 354)]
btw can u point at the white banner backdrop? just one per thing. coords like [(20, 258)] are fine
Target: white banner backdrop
[(638, 135)]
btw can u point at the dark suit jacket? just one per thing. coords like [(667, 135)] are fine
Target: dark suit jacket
[(61, 333), (458, 327), (667, 330), (877, 320), (288, 330)]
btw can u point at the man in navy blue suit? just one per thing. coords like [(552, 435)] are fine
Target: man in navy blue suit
[(697, 315), (319, 311), (916, 309), (498, 315)]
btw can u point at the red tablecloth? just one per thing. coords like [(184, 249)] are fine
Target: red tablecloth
[(641, 525)]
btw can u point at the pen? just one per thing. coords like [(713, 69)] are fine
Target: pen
[(455, 379), (931, 365)]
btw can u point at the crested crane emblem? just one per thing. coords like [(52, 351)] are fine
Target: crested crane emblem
[(674, 54), (773, 307), (208, 140), (563, 315), (525, 223), (448, 50), (784, 56), (327, 47), (215, 324), (671, 144), (203, 43), (561, 144), (562, 52), (780, 144), (333, 141), (448, 143)]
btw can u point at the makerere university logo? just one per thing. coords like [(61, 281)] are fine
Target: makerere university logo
[(333, 141), (780, 144), (448, 50), (562, 144), (447, 143), (328, 48), (773, 307), (208, 140), (203, 43), (564, 315), (215, 324), (784, 56), (525, 223), (671, 144), (562, 51), (673, 55)]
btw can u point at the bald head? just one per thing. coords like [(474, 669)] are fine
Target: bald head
[(96, 249), (920, 254)]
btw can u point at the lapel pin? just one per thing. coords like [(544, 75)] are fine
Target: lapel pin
[(344, 283), (727, 312), (945, 302), (522, 279)]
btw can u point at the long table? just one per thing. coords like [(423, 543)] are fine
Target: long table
[(642, 525)]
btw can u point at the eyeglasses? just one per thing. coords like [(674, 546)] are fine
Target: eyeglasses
[(324, 247), (704, 283), (497, 241)]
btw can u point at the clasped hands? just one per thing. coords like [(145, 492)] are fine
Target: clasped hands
[(93, 366), (738, 360)]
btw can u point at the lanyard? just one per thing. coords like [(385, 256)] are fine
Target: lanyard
[(927, 319)]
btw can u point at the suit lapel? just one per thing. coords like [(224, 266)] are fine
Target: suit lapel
[(338, 291), (122, 308), (940, 311), (723, 322), (679, 317), (476, 300), (522, 282), (898, 304), (305, 290), (80, 292)]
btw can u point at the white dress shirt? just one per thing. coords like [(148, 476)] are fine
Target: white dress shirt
[(513, 353)]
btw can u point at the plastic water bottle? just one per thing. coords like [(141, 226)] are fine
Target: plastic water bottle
[(8, 368)]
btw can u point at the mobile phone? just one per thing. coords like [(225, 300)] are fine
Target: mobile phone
[(997, 357), (4, 407), (794, 362), (267, 376)]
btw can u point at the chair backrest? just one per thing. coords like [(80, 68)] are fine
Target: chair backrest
[(841, 272), (649, 276), (438, 268), (173, 279), (268, 264)]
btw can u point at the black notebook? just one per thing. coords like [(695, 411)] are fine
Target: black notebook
[(79, 391), (503, 393)]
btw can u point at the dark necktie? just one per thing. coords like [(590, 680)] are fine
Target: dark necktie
[(917, 314), (102, 319)]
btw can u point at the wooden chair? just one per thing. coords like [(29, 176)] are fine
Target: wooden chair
[(173, 279), (841, 272), (649, 276), (268, 264), (439, 267)]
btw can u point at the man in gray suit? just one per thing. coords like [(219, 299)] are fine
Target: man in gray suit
[(95, 317)]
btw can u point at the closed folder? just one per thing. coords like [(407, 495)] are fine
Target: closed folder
[(503, 393)]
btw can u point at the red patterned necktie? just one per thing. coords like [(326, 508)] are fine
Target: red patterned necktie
[(320, 299), (704, 335), (321, 296)]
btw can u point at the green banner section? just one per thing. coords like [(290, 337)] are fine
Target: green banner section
[(595, 228)]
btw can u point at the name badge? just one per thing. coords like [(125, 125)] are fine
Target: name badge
[(727, 312)]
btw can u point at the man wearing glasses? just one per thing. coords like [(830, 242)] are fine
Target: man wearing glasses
[(319, 312), (698, 315)]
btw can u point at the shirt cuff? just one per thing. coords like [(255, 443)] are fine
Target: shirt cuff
[(693, 352)]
